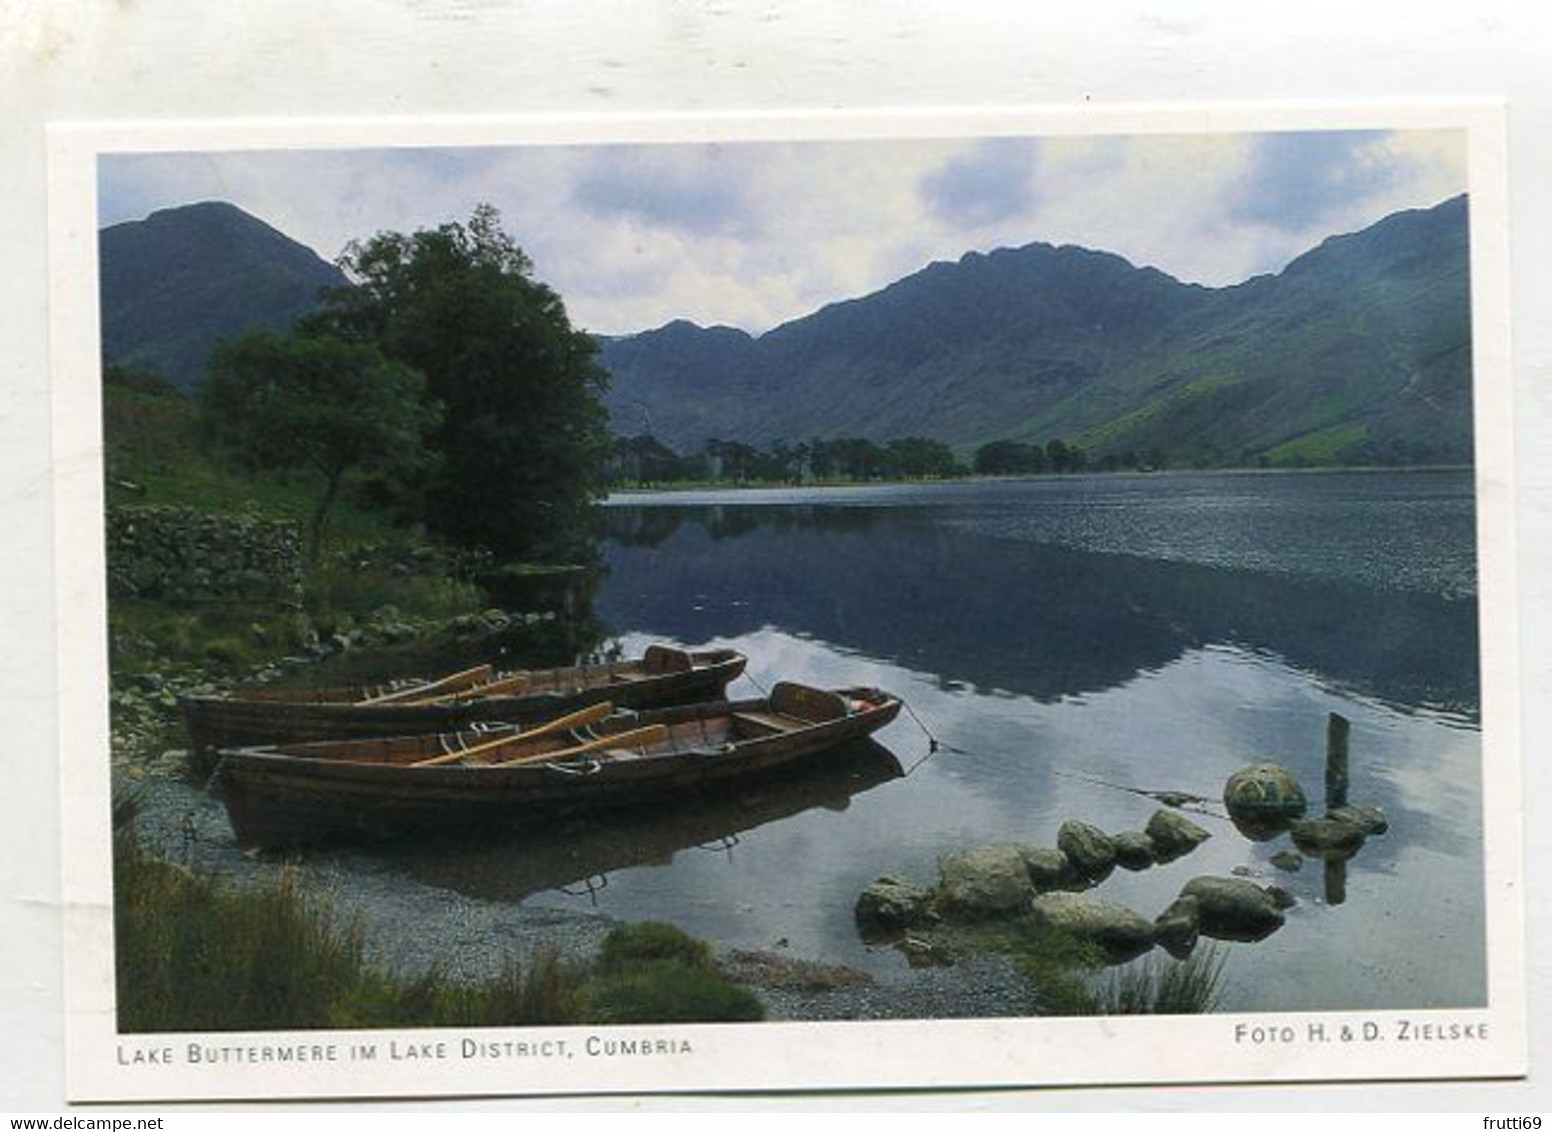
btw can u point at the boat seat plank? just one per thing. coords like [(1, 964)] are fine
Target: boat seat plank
[(768, 722)]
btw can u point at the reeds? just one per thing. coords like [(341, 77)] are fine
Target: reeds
[(195, 955), (1189, 986)]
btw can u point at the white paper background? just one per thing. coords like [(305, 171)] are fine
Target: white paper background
[(74, 59)]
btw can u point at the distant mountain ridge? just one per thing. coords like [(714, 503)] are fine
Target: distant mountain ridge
[(1359, 350), (176, 283)]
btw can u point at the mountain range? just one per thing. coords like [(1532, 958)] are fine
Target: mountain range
[(181, 280), (1359, 351)]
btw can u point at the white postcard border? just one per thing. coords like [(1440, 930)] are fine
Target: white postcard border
[(916, 1054)]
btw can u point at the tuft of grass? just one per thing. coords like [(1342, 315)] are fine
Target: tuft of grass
[(340, 587), (651, 941), (1066, 971), (208, 637), (193, 955), (654, 972), (666, 990), (1057, 963), (1190, 986)]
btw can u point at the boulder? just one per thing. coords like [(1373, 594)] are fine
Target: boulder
[(921, 953), (890, 905), (1178, 926), (1234, 909), (1089, 849), (1281, 896), (1264, 793), (1120, 932), (1371, 819), (1173, 835), (1288, 860), (991, 880), (1328, 838), (1051, 870), (1133, 849)]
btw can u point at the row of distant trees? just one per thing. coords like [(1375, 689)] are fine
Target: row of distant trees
[(645, 459)]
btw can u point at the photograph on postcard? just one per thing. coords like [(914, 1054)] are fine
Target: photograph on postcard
[(828, 580)]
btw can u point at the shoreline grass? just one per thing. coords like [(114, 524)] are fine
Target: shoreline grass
[(196, 954)]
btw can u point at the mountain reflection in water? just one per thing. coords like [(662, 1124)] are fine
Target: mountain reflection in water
[(1016, 615), (1067, 637)]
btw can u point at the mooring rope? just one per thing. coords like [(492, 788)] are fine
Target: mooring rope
[(755, 680), (1175, 799)]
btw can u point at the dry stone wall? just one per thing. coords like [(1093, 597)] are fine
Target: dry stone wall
[(179, 555)]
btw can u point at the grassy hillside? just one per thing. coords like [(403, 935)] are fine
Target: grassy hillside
[(154, 454)]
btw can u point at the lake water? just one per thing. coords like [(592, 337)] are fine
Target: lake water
[(1067, 639)]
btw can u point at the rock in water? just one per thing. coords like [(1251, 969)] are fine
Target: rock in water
[(1051, 870), (890, 905), (1089, 849), (1173, 835), (1178, 926), (1371, 819), (1328, 838), (1133, 850), (1264, 799), (990, 880), (1234, 909), (1281, 896), (1121, 933), (1288, 861)]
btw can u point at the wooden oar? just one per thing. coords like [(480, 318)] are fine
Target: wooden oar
[(640, 737), (463, 679), (508, 685), (580, 718)]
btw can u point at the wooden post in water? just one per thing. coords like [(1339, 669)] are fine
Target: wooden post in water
[(1336, 761), (1336, 882)]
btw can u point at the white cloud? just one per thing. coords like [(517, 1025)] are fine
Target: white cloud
[(754, 234)]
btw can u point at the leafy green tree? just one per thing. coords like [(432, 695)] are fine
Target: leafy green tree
[(920, 456), (524, 443), (317, 405), (737, 461), (1009, 458), (1064, 457)]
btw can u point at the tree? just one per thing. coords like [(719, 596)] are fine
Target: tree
[(920, 456), (1064, 457), (1009, 458), (733, 460), (314, 404), (523, 444)]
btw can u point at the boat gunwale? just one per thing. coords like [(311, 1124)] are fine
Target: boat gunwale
[(887, 707)]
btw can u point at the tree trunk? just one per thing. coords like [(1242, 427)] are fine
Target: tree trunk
[(315, 534)]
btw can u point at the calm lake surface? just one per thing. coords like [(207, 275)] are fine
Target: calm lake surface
[(1066, 639)]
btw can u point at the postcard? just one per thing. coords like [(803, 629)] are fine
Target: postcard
[(581, 604)]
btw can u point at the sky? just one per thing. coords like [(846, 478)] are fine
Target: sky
[(753, 234)]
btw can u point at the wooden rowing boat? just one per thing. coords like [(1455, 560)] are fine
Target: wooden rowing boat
[(285, 794), (662, 676), (577, 855)]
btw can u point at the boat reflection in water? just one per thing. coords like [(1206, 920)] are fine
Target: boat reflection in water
[(576, 856)]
